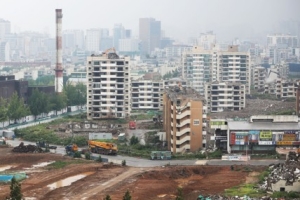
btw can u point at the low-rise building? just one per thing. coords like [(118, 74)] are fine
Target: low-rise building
[(184, 119), (258, 134)]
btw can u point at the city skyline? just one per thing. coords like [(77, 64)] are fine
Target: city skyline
[(228, 19)]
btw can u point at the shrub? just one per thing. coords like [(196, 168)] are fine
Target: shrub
[(99, 159), (87, 156), (127, 196), (77, 154)]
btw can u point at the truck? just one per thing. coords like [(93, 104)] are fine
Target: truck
[(106, 148), (132, 125)]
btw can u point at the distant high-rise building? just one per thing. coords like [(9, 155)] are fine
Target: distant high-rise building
[(128, 33), (207, 40), (92, 40), (73, 39), (282, 40), (4, 28), (118, 33), (150, 34)]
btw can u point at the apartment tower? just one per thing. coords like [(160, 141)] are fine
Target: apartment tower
[(108, 86)]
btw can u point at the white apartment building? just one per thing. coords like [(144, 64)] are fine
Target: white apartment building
[(201, 66), (258, 77), (286, 89), (129, 45), (282, 40), (147, 95), (223, 96), (108, 86)]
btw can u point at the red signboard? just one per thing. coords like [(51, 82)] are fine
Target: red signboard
[(232, 138)]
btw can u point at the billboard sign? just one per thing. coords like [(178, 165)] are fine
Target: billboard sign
[(284, 143), (265, 135), (265, 142), (253, 136), (232, 138)]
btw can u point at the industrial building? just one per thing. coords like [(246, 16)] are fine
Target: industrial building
[(225, 96), (258, 134), (146, 94), (108, 89), (201, 66), (184, 119)]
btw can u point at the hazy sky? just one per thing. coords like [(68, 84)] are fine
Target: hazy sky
[(179, 18)]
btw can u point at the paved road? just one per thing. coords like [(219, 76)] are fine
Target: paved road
[(141, 162)]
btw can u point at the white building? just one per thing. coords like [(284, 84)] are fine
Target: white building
[(108, 86), (4, 52), (223, 96), (4, 28), (282, 40), (129, 45), (207, 40), (92, 40), (201, 66), (147, 94), (258, 77)]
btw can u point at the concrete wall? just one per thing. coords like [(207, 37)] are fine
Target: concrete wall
[(288, 188)]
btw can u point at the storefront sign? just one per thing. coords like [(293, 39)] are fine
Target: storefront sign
[(232, 138), (253, 136), (283, 143), (290, 132), (241, 133), (265, 135), (265, 142), (289, 137), (217, 123), (296, 143)]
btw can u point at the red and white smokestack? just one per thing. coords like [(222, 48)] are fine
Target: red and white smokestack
[(58, 68)]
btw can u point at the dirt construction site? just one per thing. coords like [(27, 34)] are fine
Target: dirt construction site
[(84, 179)]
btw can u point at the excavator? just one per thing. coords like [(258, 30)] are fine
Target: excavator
[(106, 148), (111, 53)]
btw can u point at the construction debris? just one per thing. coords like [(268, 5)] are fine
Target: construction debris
[(27, 148), (288, 171)]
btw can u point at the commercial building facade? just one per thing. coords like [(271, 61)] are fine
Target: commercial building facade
[(108, 86), (258, 134), (184, 119)]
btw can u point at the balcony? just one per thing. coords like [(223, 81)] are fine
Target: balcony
[(182, 132), (184, 122), (183, 140), (183, 114)]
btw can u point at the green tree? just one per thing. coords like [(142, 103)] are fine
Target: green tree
[(16, 108), (76, 95), (3, 111), (134, 140), (127, 196), (15, 190), (38, 103), (179, 194), (107, 197), (42, 80), (58, 102)]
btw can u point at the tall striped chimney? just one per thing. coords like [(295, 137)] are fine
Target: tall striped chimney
[(58, 69)]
